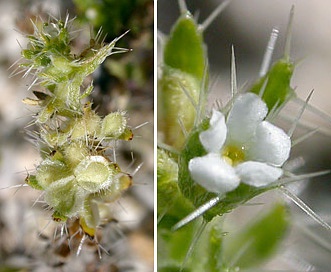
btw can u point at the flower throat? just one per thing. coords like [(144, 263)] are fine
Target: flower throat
[(233, 155)]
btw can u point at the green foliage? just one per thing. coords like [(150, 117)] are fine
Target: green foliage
[(76, 172), (227, 247), (174, 247), (255, 243), (59, 71), (113, 16)]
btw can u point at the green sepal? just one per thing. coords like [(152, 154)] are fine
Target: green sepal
[(113, 124), (183, 79), (127, 135), (58, 217), (32, 181), (50, 171), (175, 105), (276, 84), (95, 173), (184, 49), (120, 183), (90, 216), (65, 197), (90, 231), (167, 186), (259, 240), (75, 152)]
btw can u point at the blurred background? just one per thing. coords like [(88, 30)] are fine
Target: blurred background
[(247, 26), (123, 81)]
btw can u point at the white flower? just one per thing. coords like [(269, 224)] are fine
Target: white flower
[(244, 148)]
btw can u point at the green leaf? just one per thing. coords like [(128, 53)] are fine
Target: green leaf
[(276, 84), (184, 50), (113, 16), (255, 243), (172, 268), (215, 248), (173, 247)]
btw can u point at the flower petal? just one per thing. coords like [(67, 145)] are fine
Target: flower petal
[(214, 137), (271, 145), (258, 174), (213, 173), (247, 112)]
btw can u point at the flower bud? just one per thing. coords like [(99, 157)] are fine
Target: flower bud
[(113, 125), (50, 171), (95, 173)]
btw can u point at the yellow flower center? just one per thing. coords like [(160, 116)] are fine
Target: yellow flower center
[(233, 155)]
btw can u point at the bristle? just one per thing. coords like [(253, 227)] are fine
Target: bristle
[(198, 212), (211, 18), (297, 119), (269, 51), (234, 88), (303, 206)]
